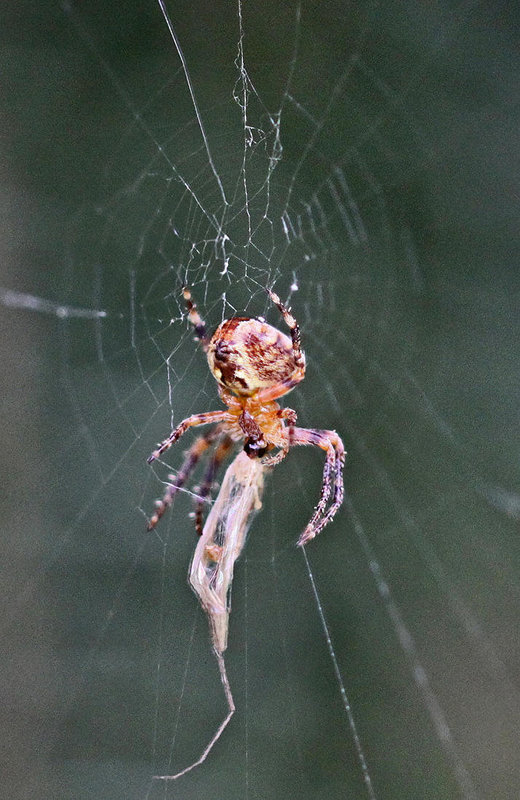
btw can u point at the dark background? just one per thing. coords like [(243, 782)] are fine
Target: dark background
[(411, 334)]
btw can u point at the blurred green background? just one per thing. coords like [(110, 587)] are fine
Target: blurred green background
[(400, 131)]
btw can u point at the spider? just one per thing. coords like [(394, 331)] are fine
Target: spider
[(254, 365)]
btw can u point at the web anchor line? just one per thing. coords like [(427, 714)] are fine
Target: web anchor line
[(193, 98), (346, 702)]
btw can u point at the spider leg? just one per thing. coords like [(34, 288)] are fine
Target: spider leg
[(332, 474), (223, 448), (284, 386), (198, 448), (293, 326), (194, 317), (190, 422)]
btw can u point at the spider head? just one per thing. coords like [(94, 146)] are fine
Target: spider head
[(246, 355)]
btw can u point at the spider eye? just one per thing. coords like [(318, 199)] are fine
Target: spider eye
[(254, 448), (222, 350)]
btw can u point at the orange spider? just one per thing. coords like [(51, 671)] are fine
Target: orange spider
[(254, 365)]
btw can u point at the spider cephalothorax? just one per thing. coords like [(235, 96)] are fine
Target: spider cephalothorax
[(254, 364)]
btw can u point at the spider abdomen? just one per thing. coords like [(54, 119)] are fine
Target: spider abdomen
[(246, 355)]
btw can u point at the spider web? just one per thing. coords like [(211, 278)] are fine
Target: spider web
[(347, 156)]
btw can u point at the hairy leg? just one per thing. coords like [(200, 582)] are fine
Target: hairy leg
[(194, 317), (332, 475), (193, 455), (221, 452), (206, 418)]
